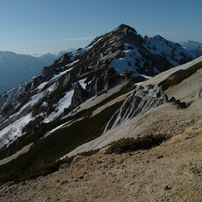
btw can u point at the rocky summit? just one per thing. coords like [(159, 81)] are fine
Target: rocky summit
[(120, 115)]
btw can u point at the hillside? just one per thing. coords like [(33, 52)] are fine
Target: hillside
[(96, 68), (169, 171), (122, 85), (165, 118)]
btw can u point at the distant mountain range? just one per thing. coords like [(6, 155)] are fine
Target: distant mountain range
[(193, 46), (17, 68)]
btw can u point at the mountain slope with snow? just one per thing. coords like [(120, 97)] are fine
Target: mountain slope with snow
[(165, 119), (192, 46), (72, 100), (17, 68), (50, 95)]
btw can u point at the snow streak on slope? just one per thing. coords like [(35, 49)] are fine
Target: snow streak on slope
[(131, 55), (63, 103), (58, 127), (173, 52), (14, 130)]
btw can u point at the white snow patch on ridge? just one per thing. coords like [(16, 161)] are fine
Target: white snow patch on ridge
[(128, 61), (64, 102), (53, 79), (58, 127), (10, 133)]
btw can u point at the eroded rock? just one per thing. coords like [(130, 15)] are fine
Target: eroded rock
[(140, 101)]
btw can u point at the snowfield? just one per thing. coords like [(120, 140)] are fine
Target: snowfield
[(63, 103), (14, 130), (127, 62)]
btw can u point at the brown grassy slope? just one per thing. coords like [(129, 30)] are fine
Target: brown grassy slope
[(171, 171), (166, 119)]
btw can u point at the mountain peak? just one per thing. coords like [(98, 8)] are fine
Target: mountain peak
[(53, 91), (123, 27), (71, 102)]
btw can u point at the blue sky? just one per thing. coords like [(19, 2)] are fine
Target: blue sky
[(42, 26)]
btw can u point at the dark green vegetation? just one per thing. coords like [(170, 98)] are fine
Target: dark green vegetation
[(130, 144), (179, 76), (40, 160)]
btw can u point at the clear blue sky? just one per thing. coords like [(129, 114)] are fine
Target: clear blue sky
[(42, 26)]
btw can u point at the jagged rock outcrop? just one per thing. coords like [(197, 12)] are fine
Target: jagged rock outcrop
[(97, 86), (83, 70), (103, 83), (65, 80), (79, 96), (141, 100), (181, 105)]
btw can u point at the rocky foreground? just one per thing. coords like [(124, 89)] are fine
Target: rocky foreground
[(171, 171)]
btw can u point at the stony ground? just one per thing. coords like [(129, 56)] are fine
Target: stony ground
[(169, 172)]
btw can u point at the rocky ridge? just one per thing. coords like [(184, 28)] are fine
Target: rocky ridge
[(121, 49)]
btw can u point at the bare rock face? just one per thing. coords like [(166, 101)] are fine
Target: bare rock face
[(80, 95), (65, 80), (101, 84), (140, 101), (97, 86)]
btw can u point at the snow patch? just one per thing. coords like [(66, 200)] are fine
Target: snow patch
[(10, 133), (64, 102), (131, 56), (58, 127)]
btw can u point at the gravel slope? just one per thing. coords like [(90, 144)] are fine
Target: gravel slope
[(171, 171)]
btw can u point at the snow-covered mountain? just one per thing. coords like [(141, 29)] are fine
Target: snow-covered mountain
[(192, 46), (17, 68), (76, 76), (109, 66), (198, 50)]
